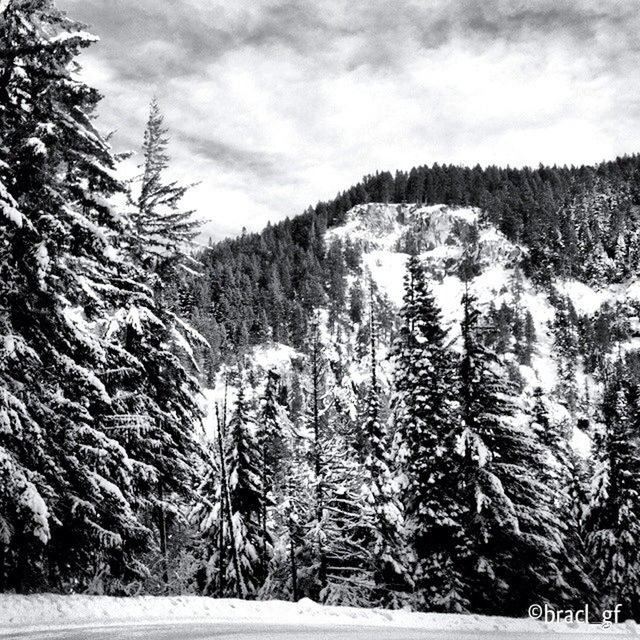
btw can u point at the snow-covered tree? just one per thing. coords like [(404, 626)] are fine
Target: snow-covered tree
[(566, 349), (162, 233), (272, 422), (426, 436), (158, 241), (209, 519), (613, 525), (562, 474), (245, 500), (512, 529), (386, 541), (109, 404), (75, 488)]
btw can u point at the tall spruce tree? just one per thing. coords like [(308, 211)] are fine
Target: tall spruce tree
[(71, 490), (387, 544), (515, 547), (245, 500), (317, 428), (273, 422), (426, 431), (208, 518), (166, 416), (613, 525), (161, 230)]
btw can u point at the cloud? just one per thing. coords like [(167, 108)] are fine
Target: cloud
[(273, 105)]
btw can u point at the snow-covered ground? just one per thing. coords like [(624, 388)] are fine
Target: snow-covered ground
[(32, 616)]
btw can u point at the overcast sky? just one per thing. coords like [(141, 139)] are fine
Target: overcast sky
[(274, 105)]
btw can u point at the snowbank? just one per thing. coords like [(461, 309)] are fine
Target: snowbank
[(50, 612)]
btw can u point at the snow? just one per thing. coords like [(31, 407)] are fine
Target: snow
[(274, 357), (588, 300), (24, 614), (382, 226), (39, 147), (580, 442), (74, 35), (584, 298), (35, 505), (267, 357), (8, 207), (387, 270), (43, 262), (9, 345)]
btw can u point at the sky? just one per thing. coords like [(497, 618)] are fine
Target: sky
[(273, 105)]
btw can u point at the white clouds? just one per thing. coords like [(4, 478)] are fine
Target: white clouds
[(274, 105)]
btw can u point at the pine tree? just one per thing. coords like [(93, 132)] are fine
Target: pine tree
[(161, 231), (271, 437), (71, 487), (245, 500), (562, 474), (566, 350), (208, 517), (387, 544), (613, 528), (525, 353), (512, 531), (317, 419), (162, 404), (426, 432)]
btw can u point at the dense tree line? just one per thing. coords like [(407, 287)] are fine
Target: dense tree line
[(579, 222)]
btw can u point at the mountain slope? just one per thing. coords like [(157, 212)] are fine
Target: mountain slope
[(382, 236)]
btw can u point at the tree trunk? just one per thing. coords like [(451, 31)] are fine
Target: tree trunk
[(316, 375), (221, 558), (2, 568), (162, 531), (294, 568)]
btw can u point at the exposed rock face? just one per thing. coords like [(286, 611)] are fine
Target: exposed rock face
[(440, 234)]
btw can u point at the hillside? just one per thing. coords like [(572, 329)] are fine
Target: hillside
[(560, 343), (380, 237), (575, 223)]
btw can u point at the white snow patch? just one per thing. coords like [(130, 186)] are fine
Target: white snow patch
[(633, 290), (585, 299), (273, 356), (25, 614), (580, 442), (74, 35), (9, 207), (39, 147), (33, 502), (387, 270), (269, 357)]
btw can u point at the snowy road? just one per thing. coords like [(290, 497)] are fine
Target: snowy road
[(200, 631)]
